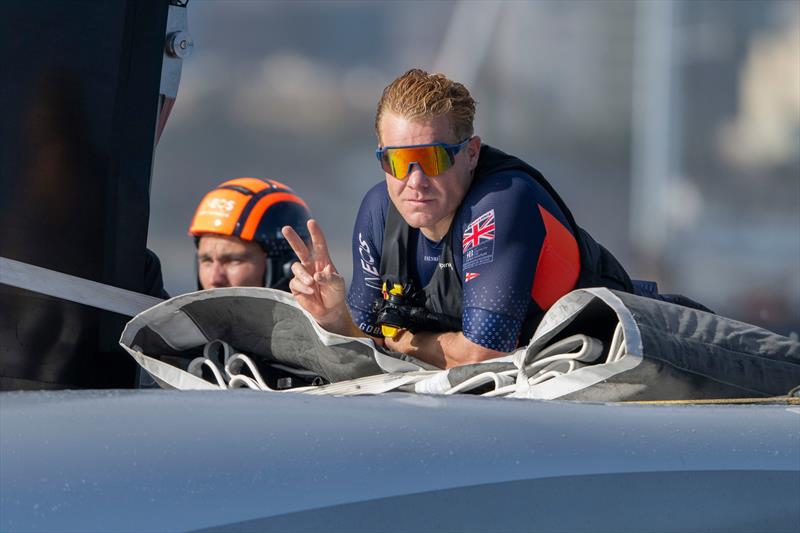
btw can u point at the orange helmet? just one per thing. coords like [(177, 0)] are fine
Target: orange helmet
[(255, 210)]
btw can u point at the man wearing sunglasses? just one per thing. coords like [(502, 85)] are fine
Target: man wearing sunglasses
[(460, 250)]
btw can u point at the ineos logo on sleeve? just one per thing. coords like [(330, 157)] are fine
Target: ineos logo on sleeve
[(371, 276)]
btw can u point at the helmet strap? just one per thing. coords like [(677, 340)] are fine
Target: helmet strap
[(267, 281)]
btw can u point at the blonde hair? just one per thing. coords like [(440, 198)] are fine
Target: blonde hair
[(419, 95)]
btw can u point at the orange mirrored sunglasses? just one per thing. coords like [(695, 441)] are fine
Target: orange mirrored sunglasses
[(432, 159)]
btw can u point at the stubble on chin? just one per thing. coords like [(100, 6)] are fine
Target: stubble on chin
[(415, 219)]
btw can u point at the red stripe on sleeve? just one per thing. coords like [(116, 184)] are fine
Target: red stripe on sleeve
[(559, 263)]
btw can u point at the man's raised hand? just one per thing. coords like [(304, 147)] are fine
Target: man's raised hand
[(316, 285)]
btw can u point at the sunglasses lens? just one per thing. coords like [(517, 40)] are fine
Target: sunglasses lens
[(433, 160), (386, 163)]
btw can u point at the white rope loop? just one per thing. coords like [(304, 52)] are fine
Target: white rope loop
[(233, 368)]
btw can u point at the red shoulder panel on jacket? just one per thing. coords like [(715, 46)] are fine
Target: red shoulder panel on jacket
[(559, 263)]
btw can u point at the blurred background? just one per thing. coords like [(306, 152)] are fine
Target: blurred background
[(671, 129)]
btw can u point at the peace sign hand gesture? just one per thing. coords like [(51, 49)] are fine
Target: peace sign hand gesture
[(317, 285)]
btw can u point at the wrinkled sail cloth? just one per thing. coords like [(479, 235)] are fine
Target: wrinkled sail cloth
[(266, 324), (667, 351), (671, 352)]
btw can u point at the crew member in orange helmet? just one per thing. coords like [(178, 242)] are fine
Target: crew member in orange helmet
[(237, 231)]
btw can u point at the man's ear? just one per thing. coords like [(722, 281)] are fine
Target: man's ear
[(474, 151)]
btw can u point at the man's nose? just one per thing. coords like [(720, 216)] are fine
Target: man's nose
[(416, 177), (219, 276)]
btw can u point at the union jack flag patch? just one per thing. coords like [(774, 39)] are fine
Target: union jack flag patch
[(479, 230), (471, 275)]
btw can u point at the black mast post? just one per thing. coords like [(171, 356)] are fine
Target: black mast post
[(79, 101)]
